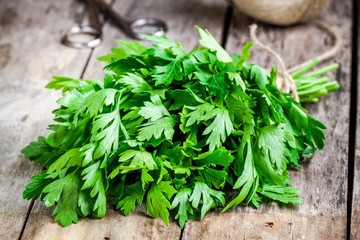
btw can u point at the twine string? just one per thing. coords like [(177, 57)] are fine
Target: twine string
[(284, 81)]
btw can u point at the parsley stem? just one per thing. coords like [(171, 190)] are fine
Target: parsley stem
[(322, 71), (319, 81), (309, 99), (332, 86), (305, 69), (317, 90)]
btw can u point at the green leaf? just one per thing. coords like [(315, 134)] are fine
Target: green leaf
[(132, 47), (64, 83), (208, 198), (155, 129), (96, 102), (248, 176), (134, 160), (208, 41), (180, 99), (87, 153), (69, 159), (34, 189), (216, 84), (236, 77), (219, 129), (271, 141), (298, 116), (146, 178), (161, 41), (220, 157), (259, 75), (125, 65), (40, 152), (157, 200), (63, 193), (181, 200), (202, 112), (154, 110), (133, 194), (245, 50), (164, 75), (74, 100), (106, 131), (282, 194), (135, 83), (214, 177), (315, 133), (85, 203), (94, 179)]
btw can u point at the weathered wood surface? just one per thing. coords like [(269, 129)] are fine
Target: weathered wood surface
[(323, 181), (138, 225), (30, 53), (355, 216), (29, 56)]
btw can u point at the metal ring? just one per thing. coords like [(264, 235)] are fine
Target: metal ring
[(142, 22), (78, 30)]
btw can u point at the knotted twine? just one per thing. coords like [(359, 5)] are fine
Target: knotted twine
[(284, 81)]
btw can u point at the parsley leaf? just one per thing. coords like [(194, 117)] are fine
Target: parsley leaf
[(64, 193), (133, 195), (157, 200), (181, 200), (94, 179), (208, 198)]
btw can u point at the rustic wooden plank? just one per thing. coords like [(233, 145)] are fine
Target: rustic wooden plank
[(323, 181), (181, 18), (30, 53), (355, 214), (114, 226)]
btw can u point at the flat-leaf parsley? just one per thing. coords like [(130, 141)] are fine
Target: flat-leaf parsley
[(172, 129)]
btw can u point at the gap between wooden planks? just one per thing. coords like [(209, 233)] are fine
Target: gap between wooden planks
[(354, 209)]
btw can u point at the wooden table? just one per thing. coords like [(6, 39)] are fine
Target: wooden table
[(30, 53)]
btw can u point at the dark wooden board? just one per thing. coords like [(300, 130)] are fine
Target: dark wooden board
[(355, 216)]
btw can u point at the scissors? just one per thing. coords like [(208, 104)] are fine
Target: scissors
[(94, 30)]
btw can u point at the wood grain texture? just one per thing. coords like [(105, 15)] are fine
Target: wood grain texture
[(114, 226), (30, 53), (355, 216), (323, 181), (181, 18)]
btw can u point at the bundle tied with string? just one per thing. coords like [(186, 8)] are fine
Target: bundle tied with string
[(284, 80)]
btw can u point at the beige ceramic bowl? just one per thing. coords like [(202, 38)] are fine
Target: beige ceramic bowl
[(281, 12)]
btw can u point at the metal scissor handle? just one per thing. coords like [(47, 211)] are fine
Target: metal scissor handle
[(159, 26), (93, 30), (133, 29)]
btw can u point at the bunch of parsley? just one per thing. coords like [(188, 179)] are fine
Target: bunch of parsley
[(172, 130)]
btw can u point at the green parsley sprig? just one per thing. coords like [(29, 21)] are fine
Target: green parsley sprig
[(312, 85), (171, 130)]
